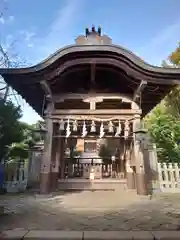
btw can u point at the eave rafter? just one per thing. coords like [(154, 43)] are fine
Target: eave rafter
[(93, 72), (127, 66)]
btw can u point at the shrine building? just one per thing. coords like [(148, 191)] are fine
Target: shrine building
[(92, 96)]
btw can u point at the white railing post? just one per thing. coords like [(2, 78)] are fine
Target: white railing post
[(160, 176), (165, 170), (177, 176), (169, 177)]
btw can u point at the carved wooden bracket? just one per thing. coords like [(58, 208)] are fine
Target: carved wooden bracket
[(47, 90), (139, 90)]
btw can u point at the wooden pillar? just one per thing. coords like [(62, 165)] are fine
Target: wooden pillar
[(61, 157), (141, 180), (130, 175), (121, 150), (55, 164), (151, 166), (46, 159), (130, 169)]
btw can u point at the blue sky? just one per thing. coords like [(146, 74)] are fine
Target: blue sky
[(151, 29)]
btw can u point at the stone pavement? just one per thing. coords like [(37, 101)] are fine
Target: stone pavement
[(91, 211)]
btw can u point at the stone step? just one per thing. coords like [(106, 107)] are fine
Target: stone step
[(88, 235)]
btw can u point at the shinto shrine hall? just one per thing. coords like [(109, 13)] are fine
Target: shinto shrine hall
[(92, 96)]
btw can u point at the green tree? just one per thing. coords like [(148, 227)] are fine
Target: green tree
[(172, 100), (164, 121), (11, 129), (165, 132), (19, 150), (174, 57)]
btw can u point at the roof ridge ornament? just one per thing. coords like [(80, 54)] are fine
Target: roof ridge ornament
[(93, 31), (93, 37)]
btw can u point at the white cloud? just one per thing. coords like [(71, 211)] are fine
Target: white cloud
[(27, 35), (11, 18), (30, 45), (9, 37), (5, 20), (64, 17), (2, 20), (59, 30), (161, 45), (165, 35)]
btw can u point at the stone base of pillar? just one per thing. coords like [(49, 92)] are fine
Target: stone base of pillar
[(130, 180), (44, 183), (141, 184), (54, 180)]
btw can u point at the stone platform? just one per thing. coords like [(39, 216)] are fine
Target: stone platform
[(96, 184)]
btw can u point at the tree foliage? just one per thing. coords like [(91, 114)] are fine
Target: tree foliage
[(11, 129), (174, 57), (164, 121), (165, 131), (172, 100), (19, 150), (15, 136)]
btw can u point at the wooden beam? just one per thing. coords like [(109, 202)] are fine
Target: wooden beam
[(90, 137), (96, 118), (62, 97), (96, 112)]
